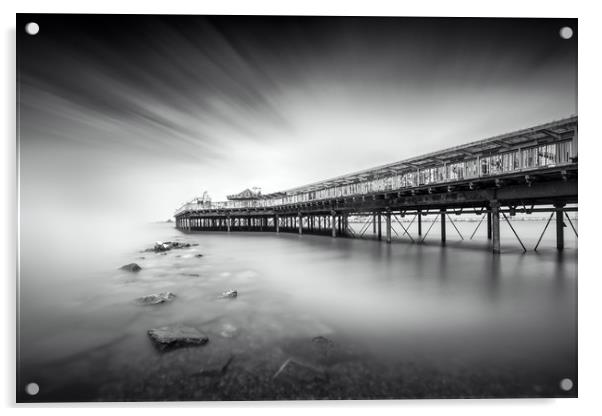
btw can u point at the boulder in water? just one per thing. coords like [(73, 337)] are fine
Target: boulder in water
[(161, 246), (132, 267), (176, 336), (157, 298), (229, 294)]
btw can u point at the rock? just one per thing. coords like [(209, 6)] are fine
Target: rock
[(198, 255), (161, 246), (132, 267), (155, 299), (176, 336), (229, 294)]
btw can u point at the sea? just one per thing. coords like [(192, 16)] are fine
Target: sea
[(315, 317)]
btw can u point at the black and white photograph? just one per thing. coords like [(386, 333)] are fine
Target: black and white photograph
[(296, 207)]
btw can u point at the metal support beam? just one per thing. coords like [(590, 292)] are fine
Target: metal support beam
[(379, 226), (514, 231), (475, 230), (333, 223), (489, 225), (571, 222), (429, 229), (454, 225), (559, 226), (495, 226), (405, 230), (419, 223), (443, 236), (388, 225)]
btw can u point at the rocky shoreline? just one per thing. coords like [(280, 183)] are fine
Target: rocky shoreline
[(218, 359)]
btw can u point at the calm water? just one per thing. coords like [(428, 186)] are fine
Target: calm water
[(400, 320)]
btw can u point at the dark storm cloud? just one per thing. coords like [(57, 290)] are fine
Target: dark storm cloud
[(115, 65)]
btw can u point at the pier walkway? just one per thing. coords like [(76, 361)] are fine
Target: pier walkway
[(526, 171)]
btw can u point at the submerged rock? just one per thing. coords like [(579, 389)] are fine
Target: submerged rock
[(176, 336), (161, 246), (157, 298), (322, 341), (132, 267), (228, 330), (198, 255), (229, 294)]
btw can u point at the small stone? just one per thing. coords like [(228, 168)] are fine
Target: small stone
[(229, 294), (132, 267), (176, 336), (157, 298)]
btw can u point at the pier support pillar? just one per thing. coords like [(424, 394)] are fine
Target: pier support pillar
[(443, 236), (388, 225), (489, 225), (559, 226), (373, 223), (379, 227), (277, 223), (228, 223), (300, 224), (495, 226), (419, 222), (333, 223)]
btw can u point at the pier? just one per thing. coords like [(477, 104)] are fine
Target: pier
[(532, 170)]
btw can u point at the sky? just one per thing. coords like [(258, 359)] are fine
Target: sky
[(124, 118)]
